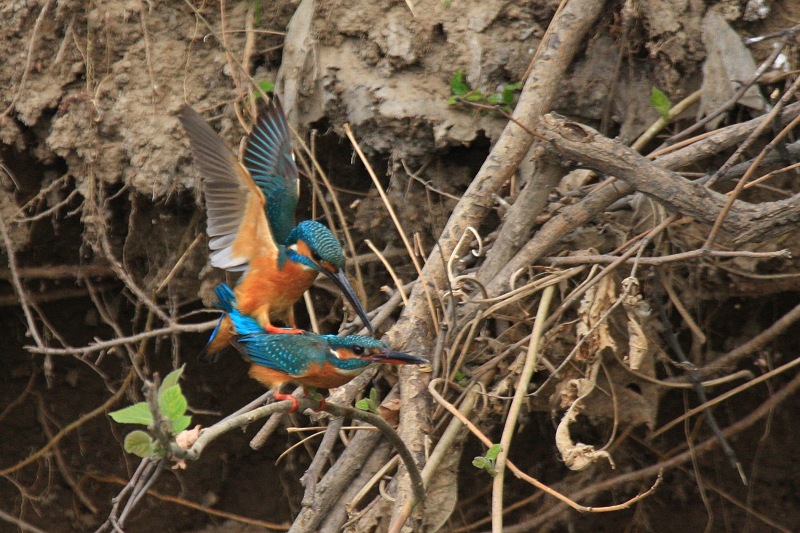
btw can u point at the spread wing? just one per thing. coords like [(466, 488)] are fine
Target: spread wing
[(237, 226), (290, 354), (268, 158)]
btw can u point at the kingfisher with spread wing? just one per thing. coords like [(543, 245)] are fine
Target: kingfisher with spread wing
[(251, 224)]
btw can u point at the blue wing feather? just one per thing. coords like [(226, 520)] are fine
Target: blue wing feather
[(268, 158), (290, 354)]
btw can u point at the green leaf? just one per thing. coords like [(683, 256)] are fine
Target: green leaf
[(171, 379), (484, 464), (139, 443), (172, 402), (138, 413), (493, 452), (266, 86), (369, 404), (180, 423), (508, 92), (257, 13), (660, 102), (493, 99), (458, 85), (474, 95)]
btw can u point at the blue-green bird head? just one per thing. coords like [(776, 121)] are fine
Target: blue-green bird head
[(325, 255)]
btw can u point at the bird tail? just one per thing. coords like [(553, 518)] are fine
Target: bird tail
[(226, 299), (218, 341), (242, 324)]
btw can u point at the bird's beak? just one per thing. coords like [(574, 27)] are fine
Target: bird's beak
[(398, 358), (340, 279)]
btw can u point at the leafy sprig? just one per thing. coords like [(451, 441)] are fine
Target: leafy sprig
[(462, 92), (172, 406)]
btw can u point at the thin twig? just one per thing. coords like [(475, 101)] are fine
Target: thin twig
[(192, 505), (19, 523), (395, 219), (533, 481), (743, 88), (29, 57), (21, 294), (520, 397), (416, 478), (41, 414), (722, 397), (662, 259), (71, 427), (672, 341), (105, 345), (674, 461)]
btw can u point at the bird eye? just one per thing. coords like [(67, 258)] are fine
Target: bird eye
[(315, 256), (358, 350)]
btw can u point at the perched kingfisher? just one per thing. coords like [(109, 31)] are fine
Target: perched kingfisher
[(324, 361), (251, 224)]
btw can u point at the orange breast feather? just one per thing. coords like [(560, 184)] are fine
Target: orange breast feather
[(267, 289)]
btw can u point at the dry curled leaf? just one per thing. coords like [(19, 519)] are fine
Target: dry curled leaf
[(593, 321), (577, 455), (635, 308)]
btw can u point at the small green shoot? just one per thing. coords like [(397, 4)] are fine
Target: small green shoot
[(312, 393), (462, 92), (488, 461), (266, 86), (461, 378), (171, 403), (257, 13), (369, 404), (660, 101)]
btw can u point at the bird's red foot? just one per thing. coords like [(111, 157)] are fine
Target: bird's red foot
[(279, 396), (282, 331)]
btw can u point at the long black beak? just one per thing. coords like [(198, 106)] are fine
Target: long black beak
[(340, 279), (398, 358)]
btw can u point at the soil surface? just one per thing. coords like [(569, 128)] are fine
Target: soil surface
[(101, 200)]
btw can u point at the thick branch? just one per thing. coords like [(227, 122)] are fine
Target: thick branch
[(746, 222), (413, 331)]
